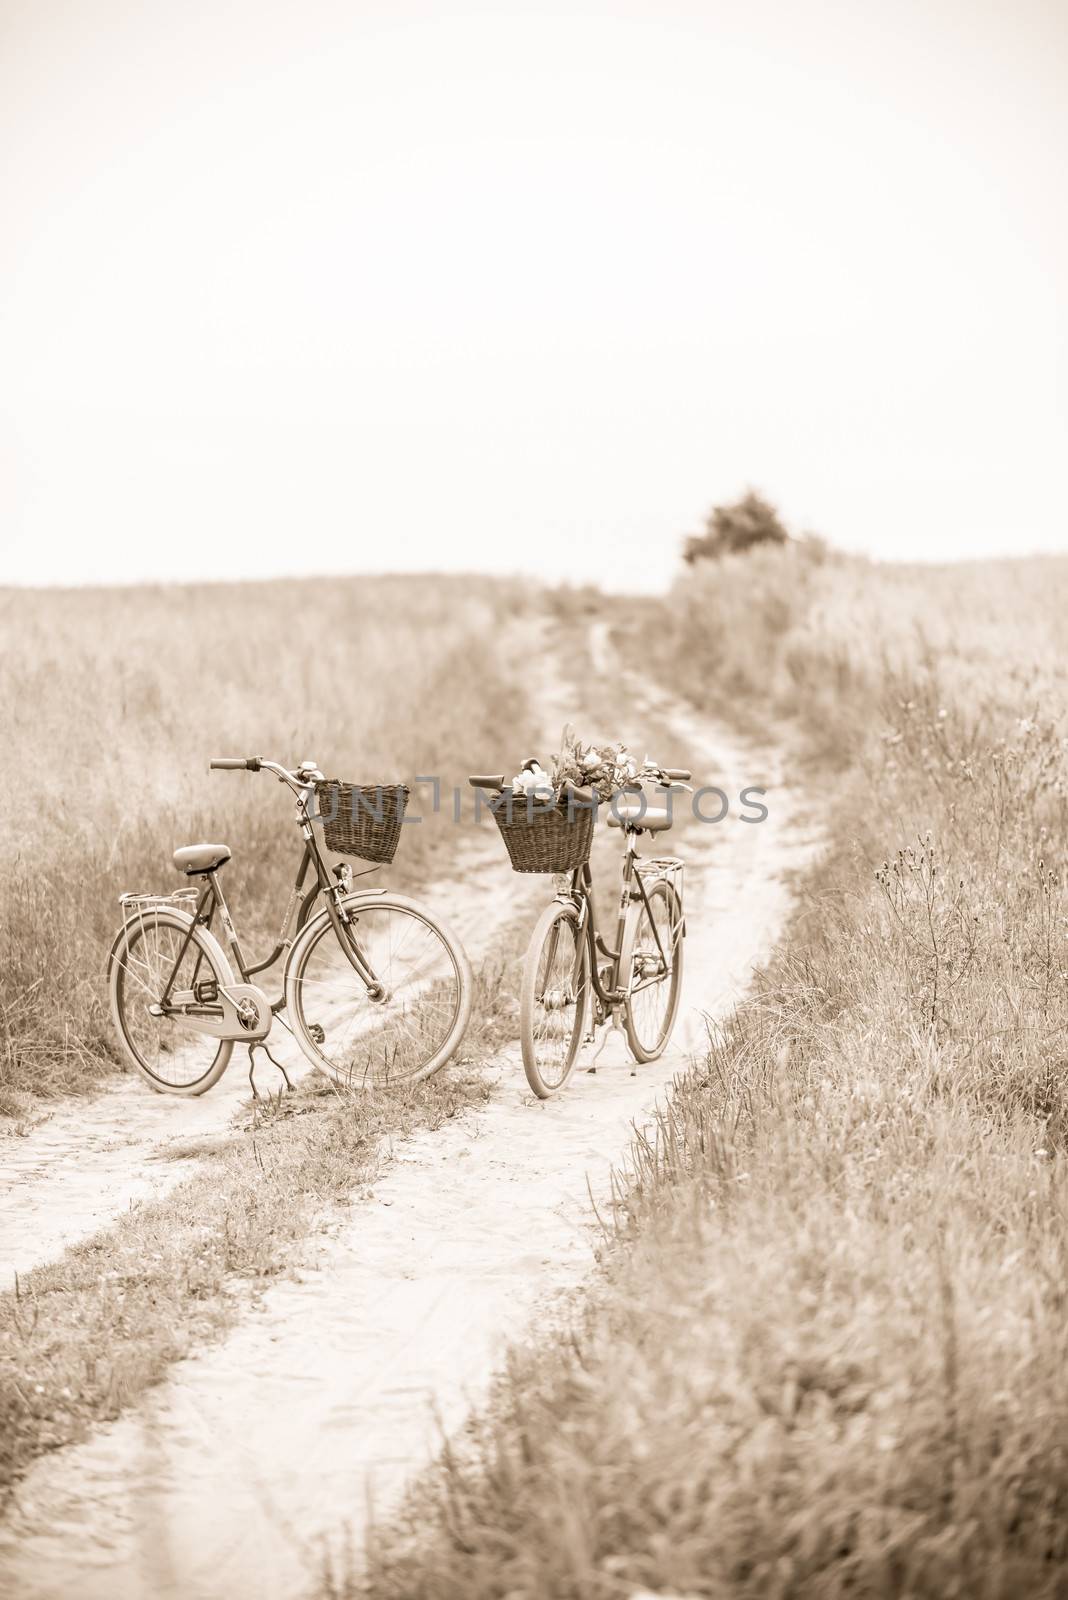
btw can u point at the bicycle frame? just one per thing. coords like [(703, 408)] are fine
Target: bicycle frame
[(211, 899), (581, 892)]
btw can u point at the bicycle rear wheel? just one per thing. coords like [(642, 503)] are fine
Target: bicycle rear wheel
[(656, 974), (553, 998), (167, 1050), (406, 1026)]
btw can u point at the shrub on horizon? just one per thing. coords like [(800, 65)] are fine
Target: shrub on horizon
[(731, 529)]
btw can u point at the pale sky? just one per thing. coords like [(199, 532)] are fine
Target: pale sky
[(353, 287)]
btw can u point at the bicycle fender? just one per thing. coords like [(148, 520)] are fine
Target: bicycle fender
[(352, 903), (183, 918)]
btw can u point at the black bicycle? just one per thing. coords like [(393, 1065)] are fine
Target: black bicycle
[(374, 989), (574, 981)]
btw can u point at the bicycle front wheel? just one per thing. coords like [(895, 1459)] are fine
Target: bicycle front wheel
[(656, 974), (405, 1022), (167, 1049), (552, 1002)]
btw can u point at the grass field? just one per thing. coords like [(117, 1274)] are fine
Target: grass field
[(829, 1353), (112, 703)]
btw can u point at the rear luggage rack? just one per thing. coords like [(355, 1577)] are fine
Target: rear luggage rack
[(131, 899), (661, 869)]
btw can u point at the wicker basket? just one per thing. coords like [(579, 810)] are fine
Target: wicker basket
[(544, 839), (361, 819)]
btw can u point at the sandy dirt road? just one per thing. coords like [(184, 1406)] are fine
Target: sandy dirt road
[(88, 1160), (260, 1458)]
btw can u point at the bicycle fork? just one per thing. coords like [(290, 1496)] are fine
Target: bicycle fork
[(342, 924)]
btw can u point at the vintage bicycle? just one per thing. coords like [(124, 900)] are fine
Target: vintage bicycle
[(574, 981), (374, 989)]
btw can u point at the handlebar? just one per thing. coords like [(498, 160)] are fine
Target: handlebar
[(676, 774), (300, 781), (496, 783)]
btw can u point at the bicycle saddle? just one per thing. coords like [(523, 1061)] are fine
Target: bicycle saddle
[(194, 858), (654, 819)]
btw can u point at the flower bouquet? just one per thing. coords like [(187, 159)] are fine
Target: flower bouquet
[(545, 827), (605, 769)]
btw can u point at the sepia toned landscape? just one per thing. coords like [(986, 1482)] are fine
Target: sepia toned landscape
[(533, 800), (809, 1336)]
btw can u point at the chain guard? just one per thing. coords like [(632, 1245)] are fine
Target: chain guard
[(240, 1011)]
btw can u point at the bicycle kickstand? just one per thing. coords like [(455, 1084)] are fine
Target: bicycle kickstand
[(274, 1061), (615, 1026), (593, 1059), (604, 1040)]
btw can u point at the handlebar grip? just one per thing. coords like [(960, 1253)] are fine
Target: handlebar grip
[(487, 783), (677, 774), (235, 764)]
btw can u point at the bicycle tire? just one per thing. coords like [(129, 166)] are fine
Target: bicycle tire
[(641, 1047), (129, 1010), (318, 1035), (535, 1031)]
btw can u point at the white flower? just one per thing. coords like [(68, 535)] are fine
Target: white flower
[(536, 783)]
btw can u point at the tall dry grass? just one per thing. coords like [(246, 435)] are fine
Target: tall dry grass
[(829, 1356), (112, 702), (832, 642)]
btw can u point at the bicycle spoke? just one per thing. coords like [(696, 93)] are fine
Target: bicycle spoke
[(654, 976), (392, 1029), (169, 1048), (556, 997)]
